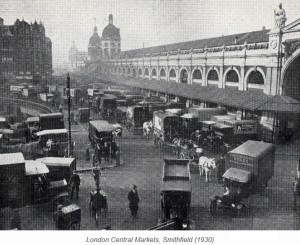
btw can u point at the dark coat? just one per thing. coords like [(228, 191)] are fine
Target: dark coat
[(74, 180), (59, 220), (133, 198)]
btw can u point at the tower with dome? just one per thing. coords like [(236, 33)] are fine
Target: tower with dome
[(106, 46)]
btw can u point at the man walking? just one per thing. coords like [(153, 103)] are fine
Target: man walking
[(134, 200), (58, 218), (74, 184), (221, 168), (97, 174)]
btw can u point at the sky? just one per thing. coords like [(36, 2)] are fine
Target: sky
[(144, 22)]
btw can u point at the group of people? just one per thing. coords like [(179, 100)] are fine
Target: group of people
[(106, 149)]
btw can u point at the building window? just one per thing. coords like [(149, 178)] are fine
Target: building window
[(172, 73), (140, 72), (213, 75), (146, 72), (184, 76), (255, 77), (154, 72), (232, 76), (162, 72), (197, 74)]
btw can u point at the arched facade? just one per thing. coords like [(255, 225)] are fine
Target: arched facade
[(172, 75), (255, 78), (184, 76), (162, 74), (146, 72), (196, 75)]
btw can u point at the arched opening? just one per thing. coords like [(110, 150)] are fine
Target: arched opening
[(140, 72), (197, 76), (119, 70), (146, 72), (128, 71), (124, 71), (184, 76), (255, 80), (213, 75), (154, 73), (172, 73), (133, 72), (291, 84), (232, 77), (162, 72)]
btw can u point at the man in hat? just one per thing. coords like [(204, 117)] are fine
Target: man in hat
[(97, 173), (58, 218), (134, 200), (98, 202), (74, 184)]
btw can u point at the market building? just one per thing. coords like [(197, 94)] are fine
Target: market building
[(253, 75), (25, 53)]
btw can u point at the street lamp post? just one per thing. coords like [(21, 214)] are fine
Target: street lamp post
[(69, 115)]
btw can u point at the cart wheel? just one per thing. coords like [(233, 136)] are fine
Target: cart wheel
[(75, 225)]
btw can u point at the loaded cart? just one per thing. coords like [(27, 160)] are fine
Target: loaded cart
[(71, 217)]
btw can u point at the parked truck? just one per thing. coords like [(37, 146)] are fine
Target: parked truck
[(251, 164)]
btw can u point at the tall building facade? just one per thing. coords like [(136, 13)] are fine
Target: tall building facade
[(106, 46), (25, 53), (77, 58)]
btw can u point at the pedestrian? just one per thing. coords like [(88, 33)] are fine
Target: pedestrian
[(134, 200), (97, 173), (221, 168), (58, 218), (106, 150), (98, 202), (298, 169), (15, 223), (114, 149), (74, 184)]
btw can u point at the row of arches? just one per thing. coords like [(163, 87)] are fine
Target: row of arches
[(254, 76)]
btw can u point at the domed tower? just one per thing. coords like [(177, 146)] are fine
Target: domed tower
[(111, 40), (94, 48)]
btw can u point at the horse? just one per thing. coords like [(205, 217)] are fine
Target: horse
[(147, 128), (206, 165)]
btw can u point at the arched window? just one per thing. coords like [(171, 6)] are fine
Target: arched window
[(146, 72), (232, 76), (197, 74), (119, 70), (255, 77), (128, 70), (123, 70), (140, 72), (213, 75), (162, 73), (184, 76), (133, 72), (154, 73), (172, 73)]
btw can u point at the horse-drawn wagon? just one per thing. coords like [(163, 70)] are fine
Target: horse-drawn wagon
[(167, 127), (249, 168), (176, 191)]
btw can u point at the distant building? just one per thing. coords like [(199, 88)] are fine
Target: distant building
[(77, 58), (107, 46), (25, 53)]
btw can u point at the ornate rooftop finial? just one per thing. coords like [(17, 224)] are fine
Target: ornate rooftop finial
[(111, 19)]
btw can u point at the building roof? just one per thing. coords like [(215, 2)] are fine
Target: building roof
[(252, 148), (111, 32), (235, 39), (11, 158)]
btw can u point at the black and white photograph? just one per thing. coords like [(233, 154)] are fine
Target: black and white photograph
[(150, 115)]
